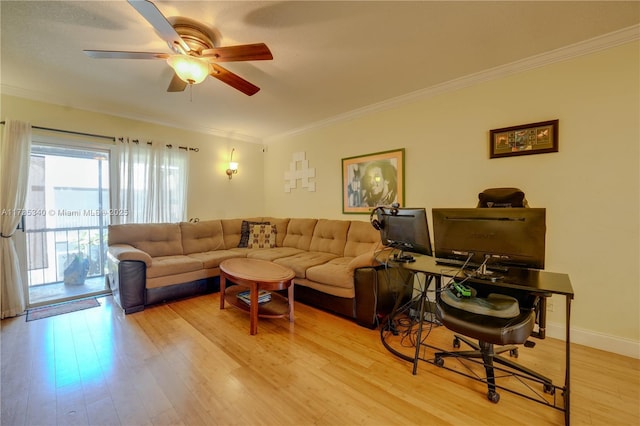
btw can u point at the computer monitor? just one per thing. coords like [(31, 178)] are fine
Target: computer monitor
[(405, 229), (497, 237)]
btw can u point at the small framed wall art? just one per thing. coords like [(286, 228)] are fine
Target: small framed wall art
[(534, 138), (372, 180)]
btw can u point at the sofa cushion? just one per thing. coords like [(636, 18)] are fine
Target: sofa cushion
[(335, 272), (171, 265), (232, 230), (201, 236), (330, 236), (156, 239), (304, 260), (299, 233), (124, 252), (362, 238), (212, 259), (365, 260), (262, 236), (272, 254), (245, 232), (281, 228)]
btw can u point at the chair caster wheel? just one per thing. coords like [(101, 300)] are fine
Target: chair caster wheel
[(438, 361), (456, 342), (493, 396), (550, 389), (513, 353)]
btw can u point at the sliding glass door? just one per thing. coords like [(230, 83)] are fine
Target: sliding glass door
[(66, 219)]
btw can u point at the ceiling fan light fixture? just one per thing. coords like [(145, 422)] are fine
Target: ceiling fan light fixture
[(190, 69)]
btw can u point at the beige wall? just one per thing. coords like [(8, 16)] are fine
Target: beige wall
[(211, 193), (590, 187)]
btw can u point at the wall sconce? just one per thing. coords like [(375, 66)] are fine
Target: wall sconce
[(233, 166)]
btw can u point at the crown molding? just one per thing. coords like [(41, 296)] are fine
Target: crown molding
[(604, 42), (607, 41), (48, 98)]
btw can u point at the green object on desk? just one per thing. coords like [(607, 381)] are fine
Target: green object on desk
[(494, 305), (461, 290)]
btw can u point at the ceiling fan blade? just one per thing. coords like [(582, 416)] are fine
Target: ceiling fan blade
[(177, 84), (245, 52), (233, 80), (114, 54), (150, 12)]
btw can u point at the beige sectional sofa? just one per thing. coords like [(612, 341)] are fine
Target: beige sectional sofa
[(335, 261)]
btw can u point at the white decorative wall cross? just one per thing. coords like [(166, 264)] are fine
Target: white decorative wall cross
[(303, 173)]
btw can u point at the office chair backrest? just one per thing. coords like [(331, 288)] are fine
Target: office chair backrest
[(502, 197), (506, 197)]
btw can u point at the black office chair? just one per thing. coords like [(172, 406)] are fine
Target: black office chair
[(496, 319), (490, 318), (502, 197)]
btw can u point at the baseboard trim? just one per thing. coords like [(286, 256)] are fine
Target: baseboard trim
[(618, 345)]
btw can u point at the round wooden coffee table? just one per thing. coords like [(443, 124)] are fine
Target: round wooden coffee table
[(256, 275)]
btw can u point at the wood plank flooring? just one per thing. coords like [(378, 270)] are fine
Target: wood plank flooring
[(189, 363)]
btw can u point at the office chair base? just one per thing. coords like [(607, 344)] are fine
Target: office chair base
[(493, 396), (489, 354), (513, 350)]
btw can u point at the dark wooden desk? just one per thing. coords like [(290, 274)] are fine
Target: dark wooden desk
[(541, 283)]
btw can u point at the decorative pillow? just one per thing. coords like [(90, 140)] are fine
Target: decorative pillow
[(244, 232), (262, 236)]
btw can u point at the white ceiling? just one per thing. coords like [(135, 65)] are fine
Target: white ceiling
[(330, 58)]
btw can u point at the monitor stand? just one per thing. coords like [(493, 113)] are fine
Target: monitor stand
[(482, 273), (403, 258)]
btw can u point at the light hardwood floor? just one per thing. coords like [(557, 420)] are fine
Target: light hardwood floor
[(189, 363)]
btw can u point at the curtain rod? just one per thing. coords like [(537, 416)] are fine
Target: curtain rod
[(186, 148), (71, 132), (112, 138)]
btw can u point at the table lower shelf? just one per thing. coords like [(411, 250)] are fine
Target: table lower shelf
[(277, 307)]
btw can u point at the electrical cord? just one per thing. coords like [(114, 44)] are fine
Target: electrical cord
[(401, 322), (446, 273)]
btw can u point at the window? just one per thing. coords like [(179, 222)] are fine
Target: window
[(152, 184), (66, 219)]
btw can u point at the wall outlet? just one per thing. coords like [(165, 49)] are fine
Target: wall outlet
[(428, 316), (429, 312), (549, 305)]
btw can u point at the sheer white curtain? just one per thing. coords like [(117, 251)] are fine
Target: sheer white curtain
[(150, 182), (15, 154)]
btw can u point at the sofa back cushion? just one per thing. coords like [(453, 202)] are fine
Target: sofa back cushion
[(330, 236), (202, 236), (156, 239), (299, 233), (362, 237), (232, 230), (281, 228)]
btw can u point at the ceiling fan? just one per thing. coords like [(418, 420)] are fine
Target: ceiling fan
[(194, 54)]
